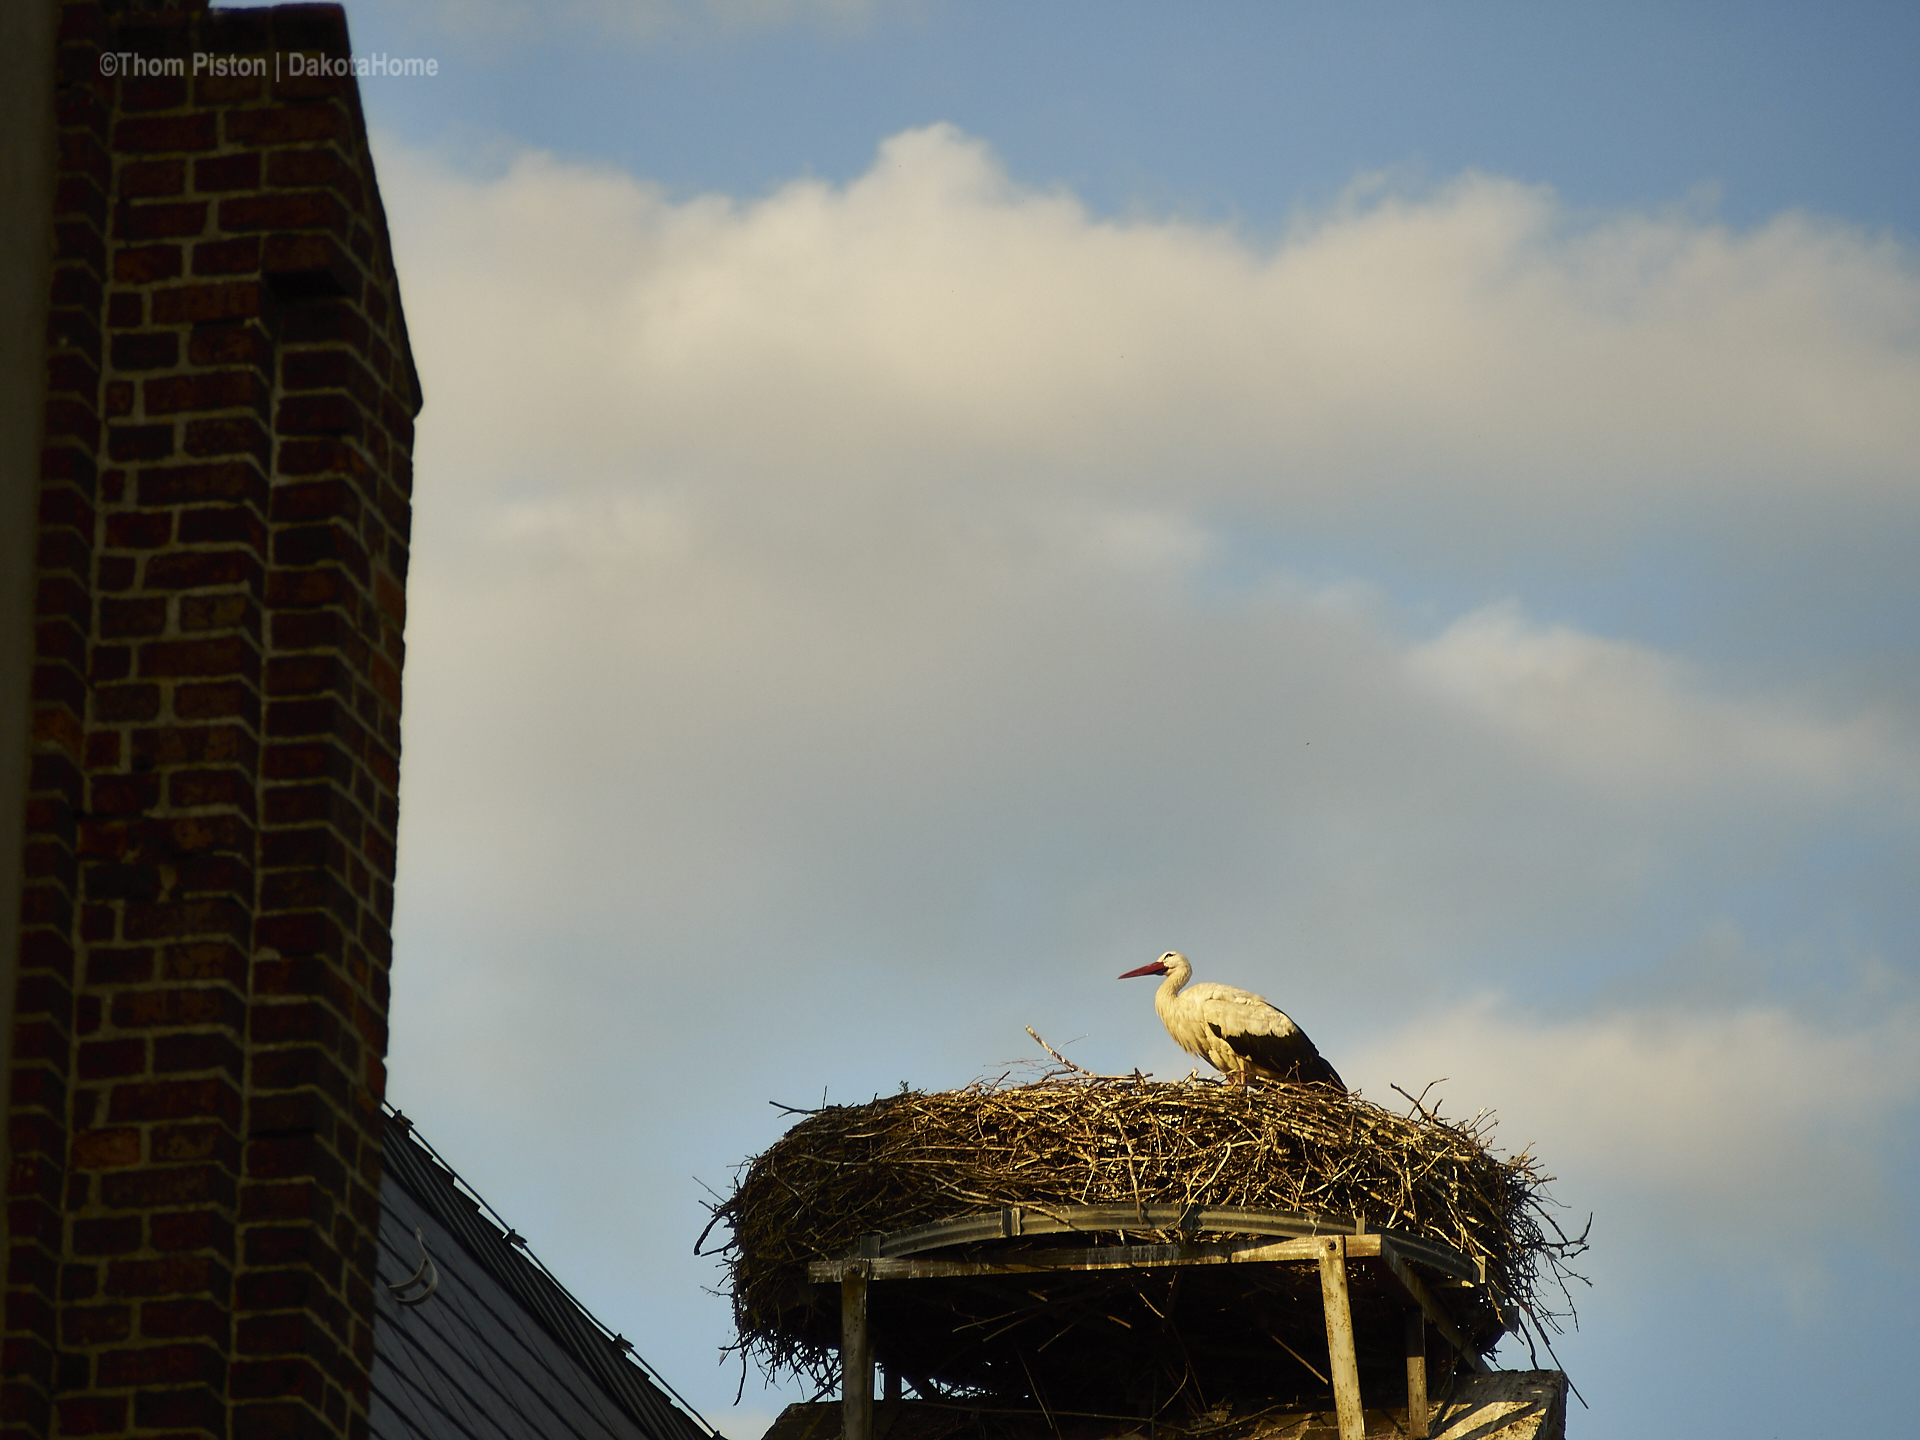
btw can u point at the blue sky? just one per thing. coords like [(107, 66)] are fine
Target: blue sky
[(1411, 505)]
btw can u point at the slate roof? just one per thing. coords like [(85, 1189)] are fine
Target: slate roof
[(500, 1350)]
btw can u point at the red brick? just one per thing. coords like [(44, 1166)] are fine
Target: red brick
[(328, 369), (179, 920), (144, 264), (166, 132), (261, 1379), (118, 704), (312, 761), (107, 1059), (230, 611), (211, 90), (107, 966), (222, 701), (188, 484), (228, 655), (314, 166), (285, 125), (147, 178), (153, 92), (90, 1325), (125, 794), (189, 789), (100, 1149), (139, 529), (174, 1008), (191, 1230), (160, 220), (206, 959), (215, 300), (211, 1098), (310, 265), (151, 350), (303, 934), (318, 544), (125, 619), (185, 745), (140, 442), (77, 286), (116, 573), (223, 524), (227, 257), (181, 1054), (193, 1408), (89, 1414), (151, 1187), (207, 390), (216, 874), (320, 415), (320, 456), (292, 210), (119, 1235), (184, 1144), (162, 1365), (230, 344), (228, 172), (169, 1319), (198, 569)]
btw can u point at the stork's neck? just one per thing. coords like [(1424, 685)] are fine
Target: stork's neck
[(1178, 973)]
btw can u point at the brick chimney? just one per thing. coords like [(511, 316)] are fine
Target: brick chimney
[(199, 1015)]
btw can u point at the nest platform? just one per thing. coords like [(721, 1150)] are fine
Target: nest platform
[(1122, 1246)]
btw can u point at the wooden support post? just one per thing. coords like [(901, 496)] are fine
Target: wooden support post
[(1340, 1356), (856, 1357), (1417, 1374)]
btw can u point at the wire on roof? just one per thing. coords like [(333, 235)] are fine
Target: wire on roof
[(514, 1238)]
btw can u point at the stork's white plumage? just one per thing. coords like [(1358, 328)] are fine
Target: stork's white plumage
[(1236, 1031)]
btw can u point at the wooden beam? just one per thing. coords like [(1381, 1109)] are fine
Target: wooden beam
[(1018, 1220), (856, 1356), (1340, 1354), (1417, 1423), (1435, 1311), (1101, 1257)]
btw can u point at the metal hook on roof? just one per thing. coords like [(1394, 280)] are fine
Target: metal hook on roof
[(428, 1275)]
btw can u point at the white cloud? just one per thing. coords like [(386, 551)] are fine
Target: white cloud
[(1693, 1131), (932, 324), (1627, 716)]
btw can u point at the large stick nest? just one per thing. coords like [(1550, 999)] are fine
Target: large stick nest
[(1095, 1339)]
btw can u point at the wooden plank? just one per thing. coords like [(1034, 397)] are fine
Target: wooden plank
[(1303, 1250), (1020, 1220), (1341, 1359), (856, 1356), (1417, 1420), (1102, 1257), (1435, 1311)]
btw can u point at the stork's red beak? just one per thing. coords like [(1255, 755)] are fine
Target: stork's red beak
[(1156, 968)]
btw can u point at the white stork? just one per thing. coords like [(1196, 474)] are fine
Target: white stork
[(1233, 1030)]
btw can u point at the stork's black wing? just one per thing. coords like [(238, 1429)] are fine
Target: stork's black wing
[(1282, 1054)]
